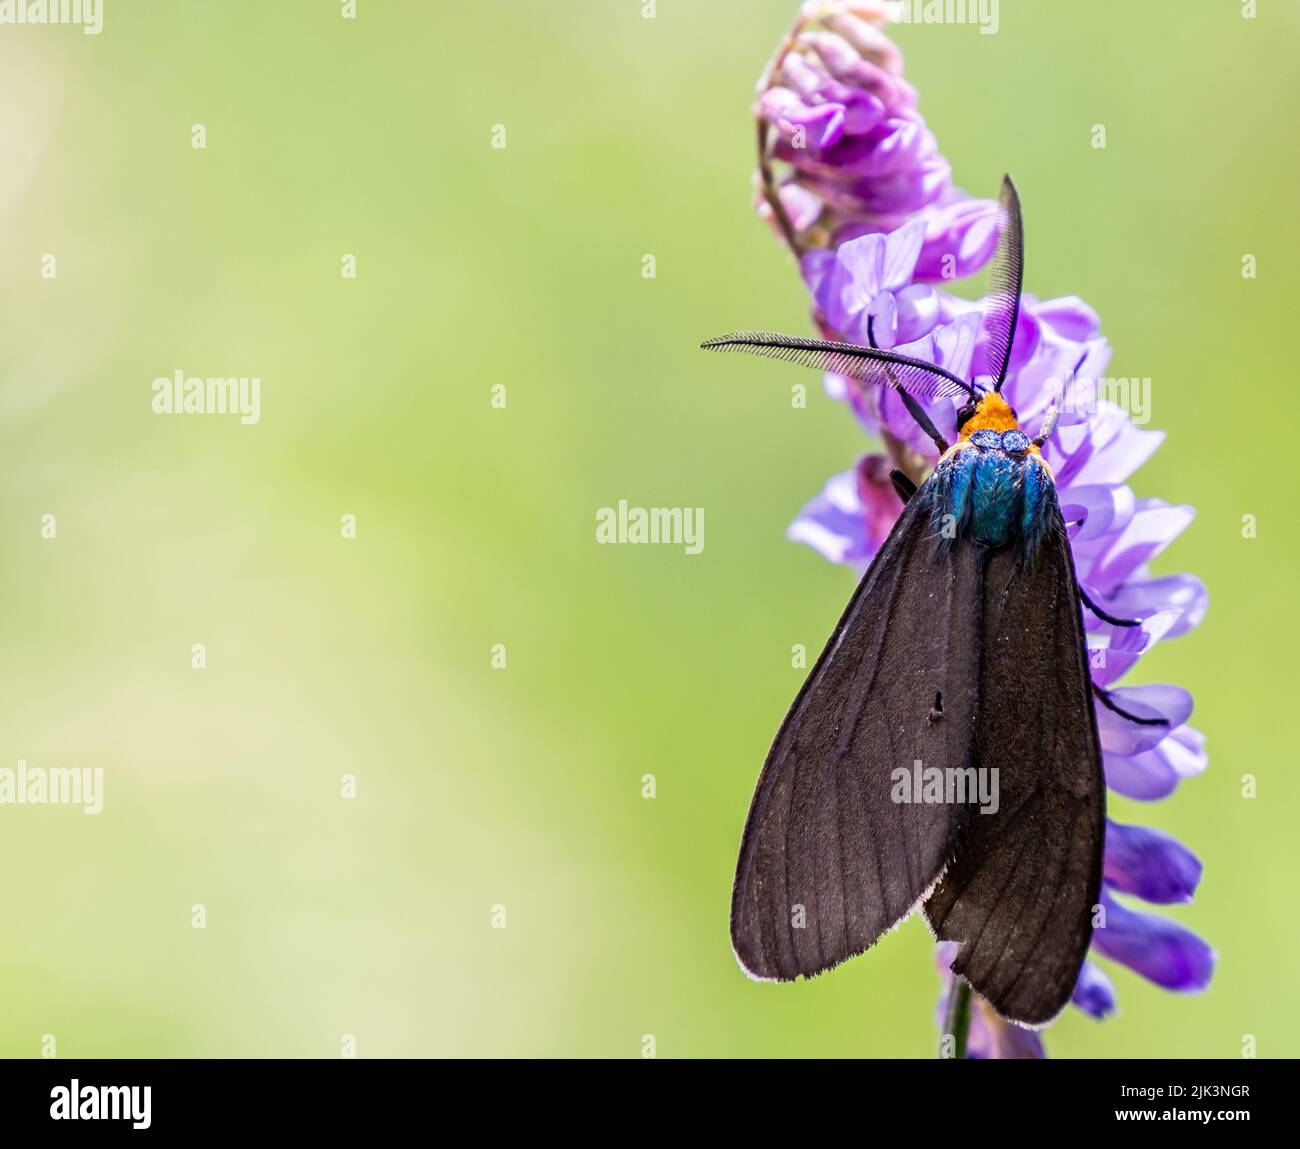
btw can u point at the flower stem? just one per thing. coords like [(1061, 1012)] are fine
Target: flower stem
[(957, 1022), (766, 178), (770, 193)]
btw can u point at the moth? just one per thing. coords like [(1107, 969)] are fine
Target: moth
[(962, 648)]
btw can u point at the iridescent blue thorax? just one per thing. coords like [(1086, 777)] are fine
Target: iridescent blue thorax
[(994, 487)]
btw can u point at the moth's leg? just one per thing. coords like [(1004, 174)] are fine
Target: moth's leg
[(903, 485), (1110, 704), (923, 421), (1049, 424), (913, 407), (1103, 615)]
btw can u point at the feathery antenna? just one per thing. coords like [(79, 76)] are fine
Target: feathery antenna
[(1002, 305), (866, 364)]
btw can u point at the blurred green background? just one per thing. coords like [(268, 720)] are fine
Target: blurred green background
[(521, 787)]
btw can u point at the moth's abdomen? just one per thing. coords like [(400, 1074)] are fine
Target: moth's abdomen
[(994, 489)]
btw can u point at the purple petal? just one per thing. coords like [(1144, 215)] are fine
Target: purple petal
[(901, 249), (955, 307), (1026, 341), (833, 523), (897, 146), (802, 207), (1150, 864), (1141, 599), (817, 266), (863, 110), (861, 271), (960, 238), (1093, 992), (948, 346), (917, 309), (1119, 447), (1025, 344), (1107, 562), (877, 497), (853, 515), (1068, 444), (1054, 374), (1097, 508), (847, 65), (822, 124), (830, 278), (1114, 650), (1160, 950), (880, 319), (1120, 735), (944, 952), (992, 1038), (862, 36), (1155, 773), (1068, 317)]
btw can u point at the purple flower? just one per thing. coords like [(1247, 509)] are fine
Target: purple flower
[(991, 1038), (846, 153), (1093, 992), (849, 520), (1160, 950), (871, 278), (863, 174), (1155, 773), (1149, 864)]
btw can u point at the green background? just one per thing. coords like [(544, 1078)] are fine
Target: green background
[(521, 787)]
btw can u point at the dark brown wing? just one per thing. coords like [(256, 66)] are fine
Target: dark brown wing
[(830, 861), (1020, 893)]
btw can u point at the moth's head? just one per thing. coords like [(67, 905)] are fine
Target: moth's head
[(989, 412)]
